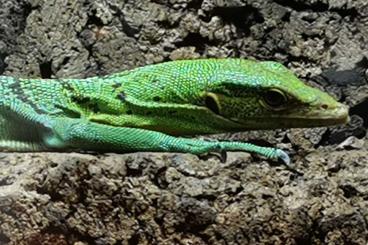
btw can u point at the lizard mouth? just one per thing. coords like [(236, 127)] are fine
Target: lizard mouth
[(329, 117), (320, 117)]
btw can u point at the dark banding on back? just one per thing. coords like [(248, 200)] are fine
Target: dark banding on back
[(18, 91)]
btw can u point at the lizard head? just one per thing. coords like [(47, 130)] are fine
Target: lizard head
[(266, 95)]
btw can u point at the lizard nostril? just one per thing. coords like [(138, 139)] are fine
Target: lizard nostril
[(324, 106)]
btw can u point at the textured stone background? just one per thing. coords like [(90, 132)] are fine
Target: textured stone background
[(151, 198)]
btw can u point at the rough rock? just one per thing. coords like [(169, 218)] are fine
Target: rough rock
[(161, 198)]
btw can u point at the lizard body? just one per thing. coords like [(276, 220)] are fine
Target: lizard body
[(147, 108)]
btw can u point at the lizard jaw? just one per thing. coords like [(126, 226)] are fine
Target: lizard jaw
[(335, 116), (298, 119), (326, 117)]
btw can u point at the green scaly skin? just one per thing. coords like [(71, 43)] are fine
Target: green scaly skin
[(146, 109)]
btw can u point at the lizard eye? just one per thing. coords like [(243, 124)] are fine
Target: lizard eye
[(274, 98), (211, 103)]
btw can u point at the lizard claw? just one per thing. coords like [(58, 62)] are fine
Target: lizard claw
[(284, 157), (223, 156)]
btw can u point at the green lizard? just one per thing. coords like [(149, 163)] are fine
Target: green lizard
[(147, 108)]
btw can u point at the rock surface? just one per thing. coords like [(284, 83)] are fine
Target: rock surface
[(155, 198)]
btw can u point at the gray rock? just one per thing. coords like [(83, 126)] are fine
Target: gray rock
[(168, 198)]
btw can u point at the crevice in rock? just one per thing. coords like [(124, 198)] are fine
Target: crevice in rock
[(134, 172), (5, 181), (159, 178), (134, 240), (361, 110), (54, 196), (338, 134), (349, 190), (302, 6), (195, 4), (3, 65), (195, 40), (4, 239), (318, 7), (46, 69), (127, 29), (93, 19), (242, 17)]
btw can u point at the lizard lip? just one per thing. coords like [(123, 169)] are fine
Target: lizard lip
[(320, 117), (300, 119), (326, 117)]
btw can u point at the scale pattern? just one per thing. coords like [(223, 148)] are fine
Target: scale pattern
[(145, 109)]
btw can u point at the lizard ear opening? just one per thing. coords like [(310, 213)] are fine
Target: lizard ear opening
[(211, 102)]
